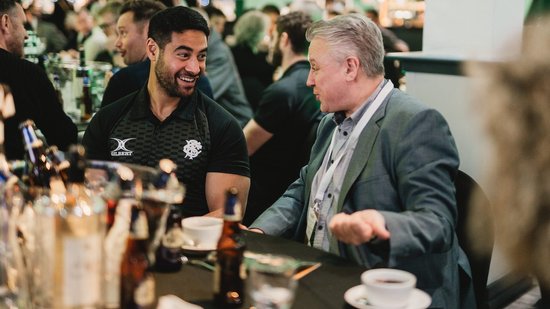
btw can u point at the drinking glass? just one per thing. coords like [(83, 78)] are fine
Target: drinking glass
[(270, 282)]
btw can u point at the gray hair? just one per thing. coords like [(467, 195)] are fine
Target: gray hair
[(352, 35), (251, 28)]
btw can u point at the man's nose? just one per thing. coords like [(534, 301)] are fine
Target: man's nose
[(310, 81), (193, 66)]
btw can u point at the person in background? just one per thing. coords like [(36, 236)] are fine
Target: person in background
[(515, 96), (256, 73), (132, 27), (280, 136), (217, 19), (33, 93), (169, 118), (55, 40), (310, 7), (106, 17), (273, 12), (89, 36), (378, 188), (225, 80), (391, 44)]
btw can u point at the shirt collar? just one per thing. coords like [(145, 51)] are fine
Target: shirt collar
[(142, 102), (340, 116)]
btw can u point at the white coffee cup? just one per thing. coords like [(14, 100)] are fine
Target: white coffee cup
[(388, 288), (201, 232)]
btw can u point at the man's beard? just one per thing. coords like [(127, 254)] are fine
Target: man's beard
[(16, 49), (168, 82), (277, 58)]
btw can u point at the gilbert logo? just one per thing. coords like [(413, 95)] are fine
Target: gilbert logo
[(121, 150), (192, 149)]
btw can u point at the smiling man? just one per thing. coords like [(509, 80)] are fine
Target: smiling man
[(169, 118), (132, 28)]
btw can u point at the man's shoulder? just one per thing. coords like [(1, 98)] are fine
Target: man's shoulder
[(213, 110), (400, 101), (10, 61), (133, 70), (110, 113), (22, 71)]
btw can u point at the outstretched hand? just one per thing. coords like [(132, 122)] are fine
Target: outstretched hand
[(359, 227)]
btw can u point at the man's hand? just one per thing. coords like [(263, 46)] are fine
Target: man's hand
[(359, 227), (256, 230)]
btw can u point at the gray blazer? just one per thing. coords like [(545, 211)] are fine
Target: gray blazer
[(403, 166)]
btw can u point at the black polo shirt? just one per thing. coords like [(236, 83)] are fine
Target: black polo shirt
[(289, 111), (199, 136)]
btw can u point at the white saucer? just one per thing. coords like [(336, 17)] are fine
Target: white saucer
[(198, 249), (356, 296)]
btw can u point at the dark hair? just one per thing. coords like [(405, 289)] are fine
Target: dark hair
[(295, 25), (271, 8), (143, 9), (7, 5), (213, 11), (175, 19), (373, 12)]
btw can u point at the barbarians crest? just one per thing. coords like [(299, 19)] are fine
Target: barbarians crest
[(192, 149)]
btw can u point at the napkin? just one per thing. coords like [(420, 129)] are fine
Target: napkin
[(174, 302)]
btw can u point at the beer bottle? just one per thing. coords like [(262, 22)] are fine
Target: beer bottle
[(229, 273), (137, 285), (86, 98), (57, 87), (60, 165), (41, 173), (169, 253), (79, 232)]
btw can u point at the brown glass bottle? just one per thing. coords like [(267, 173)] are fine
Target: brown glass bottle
[(137, 285), (229, 274), (169, 252), (59, 164), (41, 173), (86, 99)]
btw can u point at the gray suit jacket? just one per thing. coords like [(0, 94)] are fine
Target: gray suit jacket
[(403, 166)]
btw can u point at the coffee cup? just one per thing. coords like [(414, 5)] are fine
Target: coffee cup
[(388, 288), (201, 232)]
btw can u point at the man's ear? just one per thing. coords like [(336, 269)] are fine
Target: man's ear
[(284, 39), (152, 49), (352, 67), (4, 22)]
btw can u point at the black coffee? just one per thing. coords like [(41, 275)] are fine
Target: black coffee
[(391, 281)]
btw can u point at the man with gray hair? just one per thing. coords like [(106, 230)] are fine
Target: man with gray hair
[(378, 188)]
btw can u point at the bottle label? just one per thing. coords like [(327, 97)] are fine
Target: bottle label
[(81, 270), (144, 295), (173, 238), (242, 271)]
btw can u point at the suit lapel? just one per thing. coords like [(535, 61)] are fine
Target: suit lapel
[(324, 139), (362, 152)]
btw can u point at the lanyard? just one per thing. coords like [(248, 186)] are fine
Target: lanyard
[(327, 177)]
